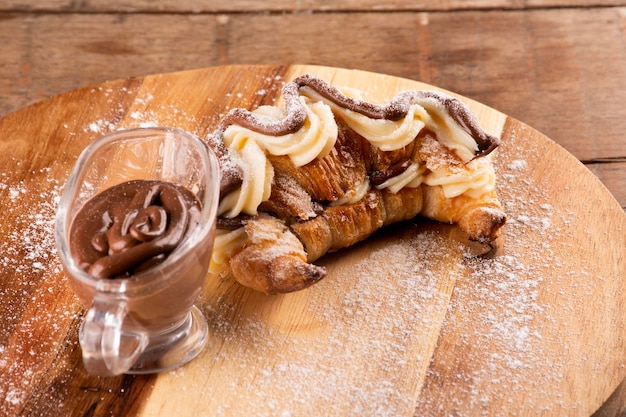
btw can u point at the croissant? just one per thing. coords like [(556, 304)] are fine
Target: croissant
[(329, 169)]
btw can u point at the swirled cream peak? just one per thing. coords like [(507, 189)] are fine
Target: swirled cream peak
[(314, 139), (131, 227), (257, 174)]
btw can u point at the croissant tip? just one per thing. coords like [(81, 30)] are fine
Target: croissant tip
[(294, 279), (483, 224)]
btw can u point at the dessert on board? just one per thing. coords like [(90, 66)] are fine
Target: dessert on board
[(328, 169)]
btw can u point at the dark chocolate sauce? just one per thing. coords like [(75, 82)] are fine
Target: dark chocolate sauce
[(131, 227)]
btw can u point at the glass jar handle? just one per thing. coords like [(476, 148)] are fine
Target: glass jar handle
[(108, 348)]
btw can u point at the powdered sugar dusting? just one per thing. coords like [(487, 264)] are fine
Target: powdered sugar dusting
[(423, 327), (302, 375), (146, 112), (506, 315), (35, 323), (409, 324), (28, 242)]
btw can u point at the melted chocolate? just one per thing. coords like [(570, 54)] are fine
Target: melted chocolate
[(132, 227)]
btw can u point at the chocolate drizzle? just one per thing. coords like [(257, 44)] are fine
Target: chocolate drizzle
[(131, 227), (396, 109), (465, 118), (399, 107), (296, 115), (312, 85)]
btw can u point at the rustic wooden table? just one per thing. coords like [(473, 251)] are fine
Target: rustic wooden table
[(556, 65)]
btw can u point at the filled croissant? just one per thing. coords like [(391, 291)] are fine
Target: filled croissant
[(329, 169)]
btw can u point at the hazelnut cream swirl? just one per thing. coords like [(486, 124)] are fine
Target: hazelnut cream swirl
[(131, 227), (437, 113)]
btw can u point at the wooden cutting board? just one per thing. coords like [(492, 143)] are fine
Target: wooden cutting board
[(406, 323)]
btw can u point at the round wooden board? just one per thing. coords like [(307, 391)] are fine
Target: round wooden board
[(407, 323)]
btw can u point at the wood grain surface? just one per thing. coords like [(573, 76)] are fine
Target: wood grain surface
[(407, 323), (557, 65)]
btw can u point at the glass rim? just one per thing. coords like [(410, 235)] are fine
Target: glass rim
[(210, 202)]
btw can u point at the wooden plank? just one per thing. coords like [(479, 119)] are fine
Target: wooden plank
[(613, 176), (34, 5), (503, 59), (552, 69), (238, 6), (615, 406)]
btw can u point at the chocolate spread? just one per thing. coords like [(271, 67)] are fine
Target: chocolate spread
[(131, 227)]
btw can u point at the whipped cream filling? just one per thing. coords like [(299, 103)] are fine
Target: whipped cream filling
[(387, 135), (390, 135), (318, 136), (412, 177), (315, 139), (226, 244), (257, 173), (474, 179)]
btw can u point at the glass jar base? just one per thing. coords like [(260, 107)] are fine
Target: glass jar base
[(176, 348)]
